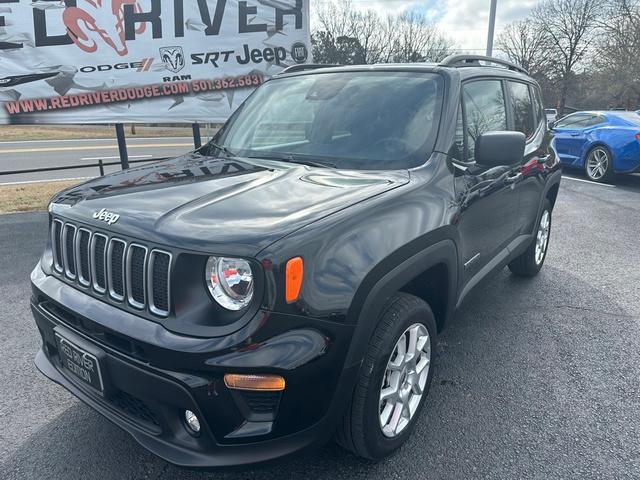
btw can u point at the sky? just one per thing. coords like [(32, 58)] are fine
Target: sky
[(464, 21)]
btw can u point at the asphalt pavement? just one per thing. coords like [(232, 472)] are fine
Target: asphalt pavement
[(534, 378), (22, 155)]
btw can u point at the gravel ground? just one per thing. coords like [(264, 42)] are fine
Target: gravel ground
[(535, 378)]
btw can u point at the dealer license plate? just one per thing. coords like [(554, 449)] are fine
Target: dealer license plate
[(83, 365)]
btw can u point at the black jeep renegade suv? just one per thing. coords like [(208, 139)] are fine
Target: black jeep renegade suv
[(285, 283)]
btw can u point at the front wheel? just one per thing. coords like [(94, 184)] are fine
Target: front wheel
[(530, 262), (599, 165), (394, 380)]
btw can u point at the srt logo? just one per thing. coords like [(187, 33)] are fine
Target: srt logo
[(173, 58), (99, 20)]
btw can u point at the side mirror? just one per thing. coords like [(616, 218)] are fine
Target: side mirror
[(494, 149), (552, 124)]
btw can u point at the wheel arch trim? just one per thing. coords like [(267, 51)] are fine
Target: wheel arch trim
[(442, 252), (553, 180)]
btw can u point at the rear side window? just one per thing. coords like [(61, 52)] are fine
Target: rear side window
[(577, 120), (522, 106), (485, 110), (580, 120), (630, 117), (595, 120)]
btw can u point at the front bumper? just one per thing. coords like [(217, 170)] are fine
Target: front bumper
[(155, 375)]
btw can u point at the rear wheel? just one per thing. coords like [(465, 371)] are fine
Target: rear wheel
[(530, 262), (394, 380), (599, 165)]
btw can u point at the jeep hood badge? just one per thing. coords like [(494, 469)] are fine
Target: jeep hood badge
[(108, 217)]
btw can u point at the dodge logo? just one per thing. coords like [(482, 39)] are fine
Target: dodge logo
[(108, 217)]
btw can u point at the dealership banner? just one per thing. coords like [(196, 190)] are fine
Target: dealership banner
[(152, 61)]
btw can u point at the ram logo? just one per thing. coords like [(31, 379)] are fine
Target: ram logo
[(173, 58)]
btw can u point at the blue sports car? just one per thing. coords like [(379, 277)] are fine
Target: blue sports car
[(601, 143)]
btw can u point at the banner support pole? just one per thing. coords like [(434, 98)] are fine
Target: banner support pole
[(122, 146), (197, 138)]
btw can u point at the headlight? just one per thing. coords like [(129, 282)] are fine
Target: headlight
[(230, 281)]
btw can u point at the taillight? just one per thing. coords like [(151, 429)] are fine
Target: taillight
[(637, 136)]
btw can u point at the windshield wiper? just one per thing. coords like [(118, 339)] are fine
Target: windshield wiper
[(222, 148), (289, 158)]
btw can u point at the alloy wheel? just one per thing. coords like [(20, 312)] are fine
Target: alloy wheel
[(542, 237), (597, 164), (404, 380)]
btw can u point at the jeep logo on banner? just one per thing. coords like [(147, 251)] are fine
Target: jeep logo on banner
[(110, 61)]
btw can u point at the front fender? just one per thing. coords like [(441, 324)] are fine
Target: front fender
[(346, 252)]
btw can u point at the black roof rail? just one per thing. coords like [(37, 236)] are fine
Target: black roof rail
[(474, 61), (306, 66)]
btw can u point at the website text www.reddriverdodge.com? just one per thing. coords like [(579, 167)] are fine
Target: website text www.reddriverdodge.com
[(128, 94)]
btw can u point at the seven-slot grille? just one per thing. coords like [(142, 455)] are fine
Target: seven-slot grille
[(125, 271)]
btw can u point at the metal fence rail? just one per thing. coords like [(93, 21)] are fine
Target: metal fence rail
[(100, 166)]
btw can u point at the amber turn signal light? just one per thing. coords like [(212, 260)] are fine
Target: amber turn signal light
[(256, 383), (293, 274)]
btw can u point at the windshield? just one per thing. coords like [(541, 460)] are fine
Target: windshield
[(358, 120)]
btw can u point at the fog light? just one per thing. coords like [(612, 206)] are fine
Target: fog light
[(192, 421)]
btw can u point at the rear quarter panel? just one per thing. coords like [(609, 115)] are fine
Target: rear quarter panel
[(620, 141)]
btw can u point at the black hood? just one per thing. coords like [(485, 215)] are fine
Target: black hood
[(226, 206)]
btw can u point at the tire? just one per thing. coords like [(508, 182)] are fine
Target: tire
[(361, 430), (531, 261), (598, 164)]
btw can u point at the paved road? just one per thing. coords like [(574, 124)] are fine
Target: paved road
[(49, 153), (535, 379)]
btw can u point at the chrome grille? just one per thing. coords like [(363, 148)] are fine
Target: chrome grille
[(115, 268), (68, 248), (82, 256), (159, 282), (99, 262), (56, 244), (123, 271), (136, 279)]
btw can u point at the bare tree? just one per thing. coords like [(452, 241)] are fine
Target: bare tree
[(618, 73), (335, 41), (373, 35), (336, 18), (345, 35), (525, 44), (570, 28), (415, 39)]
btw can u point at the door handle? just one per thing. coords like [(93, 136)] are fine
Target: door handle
[(575, 134), (514, 178)]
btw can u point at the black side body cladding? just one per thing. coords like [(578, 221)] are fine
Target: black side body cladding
[(442, 252)]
